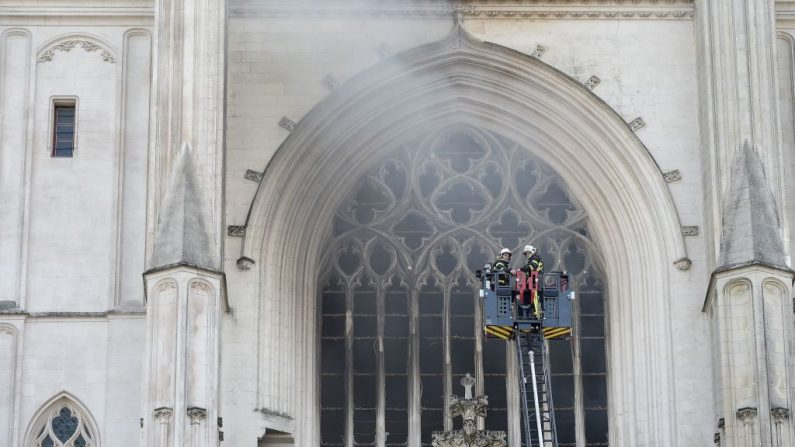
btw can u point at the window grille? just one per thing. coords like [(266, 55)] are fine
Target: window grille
[(399, 310), (63, 129), (64, 427)]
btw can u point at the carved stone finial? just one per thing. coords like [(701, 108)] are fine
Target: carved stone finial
[(683, 264), (592, 82), (468, 382), (637, 124), (236, 230), (672, 176), (747, 414), (287, 124), (470, 409), (197, 415), (539, 51), (779, 414), (690, 230), (254, 176), (245, 263)]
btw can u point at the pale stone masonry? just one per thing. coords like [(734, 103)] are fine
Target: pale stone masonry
[(162, 284)]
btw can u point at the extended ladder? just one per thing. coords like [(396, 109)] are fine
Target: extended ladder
[(535, 385)]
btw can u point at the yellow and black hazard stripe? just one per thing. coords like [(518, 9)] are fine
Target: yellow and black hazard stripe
[(556, 332), (503, 332)]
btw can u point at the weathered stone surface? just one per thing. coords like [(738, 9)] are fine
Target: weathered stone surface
[(182, 233), (751, 225)]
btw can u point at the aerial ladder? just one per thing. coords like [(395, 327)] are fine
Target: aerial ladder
[(529, 309)]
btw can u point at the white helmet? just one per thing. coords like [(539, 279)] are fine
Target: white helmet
[(505, 250), (529, 249)]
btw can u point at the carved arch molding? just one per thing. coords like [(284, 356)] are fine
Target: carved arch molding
[(460, 81)]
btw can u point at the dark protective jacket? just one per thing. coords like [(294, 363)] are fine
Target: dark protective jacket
[(534, 263), (499, 265)]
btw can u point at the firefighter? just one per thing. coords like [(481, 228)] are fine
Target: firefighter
[(502, 264), (534, 264)]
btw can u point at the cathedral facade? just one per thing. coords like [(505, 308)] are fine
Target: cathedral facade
[(269, 216)]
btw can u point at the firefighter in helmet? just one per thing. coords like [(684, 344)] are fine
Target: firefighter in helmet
[(502, 264), (534, 264)]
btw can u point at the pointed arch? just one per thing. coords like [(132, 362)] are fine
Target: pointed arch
[(462, 80), (63, 421)]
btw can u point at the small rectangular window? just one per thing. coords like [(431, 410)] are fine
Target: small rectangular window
[(63, 134)]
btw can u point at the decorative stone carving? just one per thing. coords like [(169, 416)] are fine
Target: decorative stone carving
[(683, 264), (254, 176), (572, 9), (245, 263), (331, 83), (469, 408), (166, 285), (6, 329), (236, 230), (672, 176), (197, 415), (779, 415), (287, 124), (747, 414), (460, 9), (592, 82), (637, 124), (690, 230), (539, 51), (721, 423), (716, 438), (84, 44), (200, 287), (163, 414)]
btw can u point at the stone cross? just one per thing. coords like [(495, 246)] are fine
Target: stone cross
[(468, 382)]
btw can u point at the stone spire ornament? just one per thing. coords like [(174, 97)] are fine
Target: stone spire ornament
[(469, 408), (751, 226)]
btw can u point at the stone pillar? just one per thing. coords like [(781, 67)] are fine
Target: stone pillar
[(184, 310), (750, 312), (188, 98), (185, 291), (738, 99)]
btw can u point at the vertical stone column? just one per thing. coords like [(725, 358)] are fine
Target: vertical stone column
[(15, 85), (183, 358), (738, 98), (188, 103), (751, 316)]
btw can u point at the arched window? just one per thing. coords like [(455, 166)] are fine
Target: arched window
[(400, 318), (63, 422)]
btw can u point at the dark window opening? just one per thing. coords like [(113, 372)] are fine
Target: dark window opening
[(63, 135)]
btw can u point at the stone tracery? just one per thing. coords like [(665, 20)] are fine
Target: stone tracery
[(415, 228)]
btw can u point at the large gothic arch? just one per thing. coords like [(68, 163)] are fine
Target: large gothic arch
[(463, 80)]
